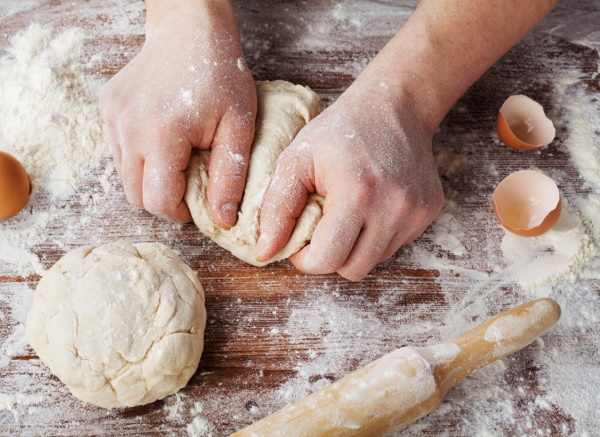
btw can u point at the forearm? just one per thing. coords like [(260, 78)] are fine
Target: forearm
[(447, 45), (198, 11)]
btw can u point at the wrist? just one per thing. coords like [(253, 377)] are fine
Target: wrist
[(392, 96), (409, 81), (441, 50)]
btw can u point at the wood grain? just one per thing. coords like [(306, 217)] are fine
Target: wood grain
[(255, 339)]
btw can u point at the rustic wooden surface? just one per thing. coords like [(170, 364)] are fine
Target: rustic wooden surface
[(249, 351)]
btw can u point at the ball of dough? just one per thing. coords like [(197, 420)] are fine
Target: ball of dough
[(283, 109), (120, 324)]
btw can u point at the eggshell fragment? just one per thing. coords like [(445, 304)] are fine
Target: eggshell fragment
[(527, 203), (522, 124), (14, 186)]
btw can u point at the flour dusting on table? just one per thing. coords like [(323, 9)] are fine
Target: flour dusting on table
[(49, 110), (51, 122), (474, 266)]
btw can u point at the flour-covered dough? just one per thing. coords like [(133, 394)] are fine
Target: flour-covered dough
[(283, 109), (121, 324)]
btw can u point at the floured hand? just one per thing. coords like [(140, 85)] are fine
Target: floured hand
[(372, 159), (188, 87)]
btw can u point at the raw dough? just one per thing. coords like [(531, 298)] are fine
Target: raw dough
[(283, 109), (121, 324)]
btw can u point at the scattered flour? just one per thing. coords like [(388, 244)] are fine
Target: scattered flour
[(49, 119), (9, 9), (175, 407), (49, 112), (450, 233), (510, 327), (19, 299), (350, 330), (16, 402), (199, 426), (17, 238), (557, 256)]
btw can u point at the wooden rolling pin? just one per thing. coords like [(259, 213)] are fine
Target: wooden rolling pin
[(407, 384)]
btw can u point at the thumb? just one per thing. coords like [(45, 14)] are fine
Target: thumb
[(285, 199)]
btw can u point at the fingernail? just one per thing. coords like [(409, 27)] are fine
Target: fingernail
[(228, 213), (261, 246)]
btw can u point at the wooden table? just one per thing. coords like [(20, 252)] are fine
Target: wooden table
[(274, 335)]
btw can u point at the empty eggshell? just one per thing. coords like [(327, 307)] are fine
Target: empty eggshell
[(14, 186), (527, 203), (522, 124)]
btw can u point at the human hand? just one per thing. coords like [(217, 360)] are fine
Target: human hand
[(371, 157), (188, 87)]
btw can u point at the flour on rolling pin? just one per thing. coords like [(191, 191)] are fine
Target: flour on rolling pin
[(406, 384), (410, 368), (394, 385), (440, 354), (510, 327)]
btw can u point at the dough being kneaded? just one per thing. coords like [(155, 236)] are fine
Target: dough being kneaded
[(120, 324), (283, 109)]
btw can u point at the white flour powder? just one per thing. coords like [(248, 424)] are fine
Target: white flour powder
[(15, 402), (552, 258), (48, 108), (49, 116), (50, 121)]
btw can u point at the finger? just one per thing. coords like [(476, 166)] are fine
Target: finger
[(117, 157), (116, 148), (227, 169), (416, 234), (333, 239), (164, 185), (132, 174), (401, 239), (366, 253), (395, 244)]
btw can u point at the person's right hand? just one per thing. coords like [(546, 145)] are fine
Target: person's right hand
[(188, 87)]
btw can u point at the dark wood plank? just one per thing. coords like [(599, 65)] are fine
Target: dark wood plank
[(274, 334)]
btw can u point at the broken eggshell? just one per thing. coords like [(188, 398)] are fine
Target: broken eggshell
[(527, 203), (522, 124)]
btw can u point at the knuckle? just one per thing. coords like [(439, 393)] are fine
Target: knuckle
[(420, 208), (133, 199), (361, 266), (285, 187), (158, 207), (438, 202), (130, 115), (399, 205), (365, 193), (229, 177), (369, 180), (324, 265), (286, 159), (244, 116), (353, 275)]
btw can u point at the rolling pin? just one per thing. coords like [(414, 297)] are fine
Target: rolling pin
[(408, 383)]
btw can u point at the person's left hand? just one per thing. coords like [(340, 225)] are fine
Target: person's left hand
[(371, 157)]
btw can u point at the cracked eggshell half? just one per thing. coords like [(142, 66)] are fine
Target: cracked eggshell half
[(14, 186), (527, 203), (522, 124)]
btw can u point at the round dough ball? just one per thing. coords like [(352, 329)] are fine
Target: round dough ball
[(120, 324), (283, 109)]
